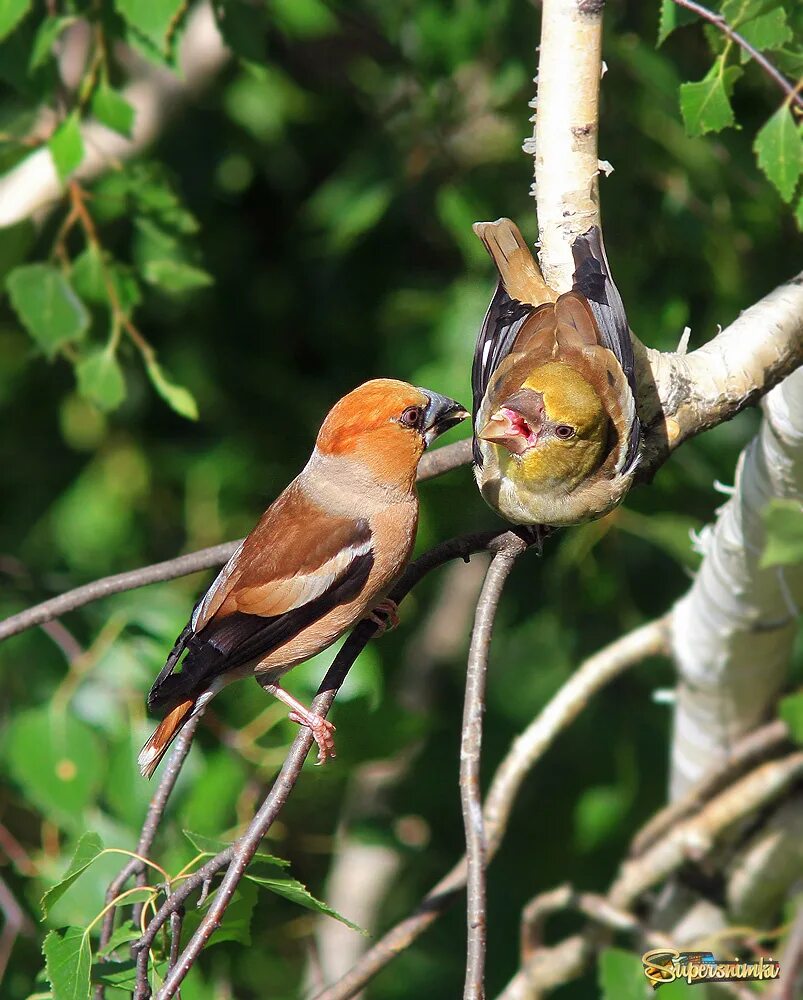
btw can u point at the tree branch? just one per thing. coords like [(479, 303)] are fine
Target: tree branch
[(524, 753), (566, 127), (433, 464), (237, 857), (734, 629), (470, 757)]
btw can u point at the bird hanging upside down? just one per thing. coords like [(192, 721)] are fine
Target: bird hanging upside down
[(556, 435), (323, 556)]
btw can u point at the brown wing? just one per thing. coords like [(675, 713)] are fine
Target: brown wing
[(296, 565)]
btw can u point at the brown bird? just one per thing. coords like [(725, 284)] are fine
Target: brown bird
[(323, 556), (556, 432)]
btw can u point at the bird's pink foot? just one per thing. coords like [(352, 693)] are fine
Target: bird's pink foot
[(385, 615), (322, 732)]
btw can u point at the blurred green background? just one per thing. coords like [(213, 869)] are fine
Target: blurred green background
[(334, 177)]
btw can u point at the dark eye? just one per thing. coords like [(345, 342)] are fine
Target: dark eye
[(411, 417), (564, 431)]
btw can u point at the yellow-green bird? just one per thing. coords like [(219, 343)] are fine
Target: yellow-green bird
[(556, 434)]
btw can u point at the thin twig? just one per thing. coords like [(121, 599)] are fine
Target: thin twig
[(470, 759), (792, 92), (236, 857), (689, 840), (755, 747), (148, 832), (433, 464), (526, 750)]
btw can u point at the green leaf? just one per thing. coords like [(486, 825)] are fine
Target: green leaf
[(100, 379), (670, 18), (706, 104), (783, 523), (175, 275), (621, 975), (87, 849), (122, 935), (799, 214), (236, 923), (737, 12), (90, 273), (779, 149), (113, 110), (790, 710), (243, 27), (68, 958), (123, 974), (56, 760), (176, 396), (297, 892), (47, 306), (11, 13), (46, 38), (767, 32), (211, 846), (67, 147), (151, 18)]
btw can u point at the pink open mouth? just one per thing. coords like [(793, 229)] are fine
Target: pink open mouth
[(519, 426)]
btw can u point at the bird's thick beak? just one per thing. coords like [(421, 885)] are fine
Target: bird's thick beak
[(441, 414), (500, 429)]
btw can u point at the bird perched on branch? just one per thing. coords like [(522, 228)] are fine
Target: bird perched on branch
[(323, 556), (556, 435)]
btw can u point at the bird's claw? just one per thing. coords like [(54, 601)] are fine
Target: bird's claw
[(322, 732), (385, 615)]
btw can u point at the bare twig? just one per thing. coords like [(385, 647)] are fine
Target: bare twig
[(153, 817), (237, 857), (527, 749), (470, 757), (433, 464), (695, 837), (792, 92), (689, 840), (755, 747)]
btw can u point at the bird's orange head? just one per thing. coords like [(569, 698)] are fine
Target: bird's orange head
[(386, 425)]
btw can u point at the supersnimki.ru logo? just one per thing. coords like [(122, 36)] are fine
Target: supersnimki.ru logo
[(665, 965)]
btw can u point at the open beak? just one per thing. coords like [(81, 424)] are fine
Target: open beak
[(441, 414), (502, 429)]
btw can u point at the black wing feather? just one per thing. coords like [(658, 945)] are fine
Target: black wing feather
[(499, 329), (235, 640), (592, 278)]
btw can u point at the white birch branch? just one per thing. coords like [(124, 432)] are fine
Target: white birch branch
[(566, 126), (732, 633), (33, 186)]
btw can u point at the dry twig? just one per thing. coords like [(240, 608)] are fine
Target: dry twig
[(470, 758), (525, 752)]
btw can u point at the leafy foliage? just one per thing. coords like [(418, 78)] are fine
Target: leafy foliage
[(707, 105)]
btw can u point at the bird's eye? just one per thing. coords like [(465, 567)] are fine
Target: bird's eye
[(564, 431), (411, 417)]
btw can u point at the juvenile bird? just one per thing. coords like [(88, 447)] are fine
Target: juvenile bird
[(323, 556), (556, 434)]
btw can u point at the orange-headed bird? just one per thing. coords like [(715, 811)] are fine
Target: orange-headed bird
[(323, 556)]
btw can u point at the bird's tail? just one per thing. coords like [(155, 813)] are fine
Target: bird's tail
[(164, 734)]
